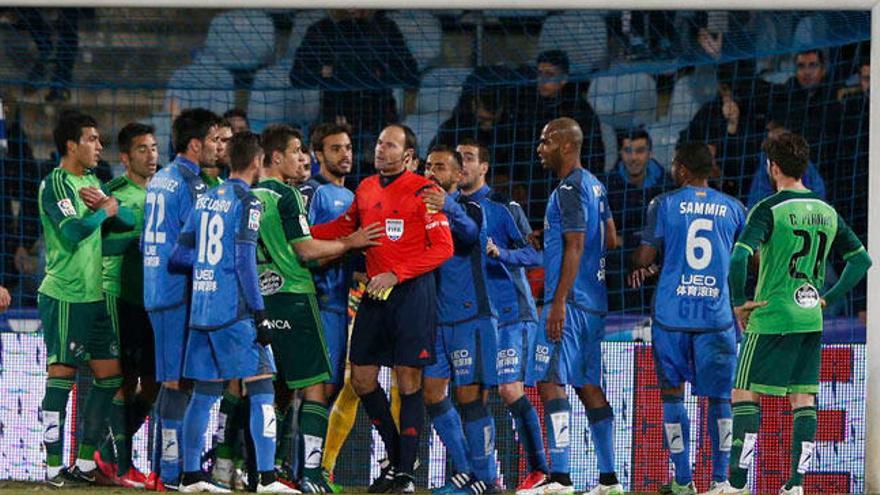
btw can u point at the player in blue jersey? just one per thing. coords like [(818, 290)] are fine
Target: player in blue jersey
[(466, 328), (171, 195), (229, 329), (509, 252), (331, 144), (693, 334), (466, 334), (572, 326)]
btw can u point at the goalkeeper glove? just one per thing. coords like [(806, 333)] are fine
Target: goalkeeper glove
[(264, 328)]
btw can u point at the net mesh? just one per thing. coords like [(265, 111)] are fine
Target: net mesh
[(638, 82)]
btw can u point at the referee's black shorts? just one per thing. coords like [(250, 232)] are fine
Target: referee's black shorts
[(400, 330)]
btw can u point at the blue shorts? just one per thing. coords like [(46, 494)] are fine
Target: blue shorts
[(466, 352), (706, 359), (515, 343), (336, 336), (576, 360), (169, 334), (227, 353)]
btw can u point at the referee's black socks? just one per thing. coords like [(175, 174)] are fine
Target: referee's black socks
[(379, 410)]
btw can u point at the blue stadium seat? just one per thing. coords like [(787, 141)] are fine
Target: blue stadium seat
[(274, 100), (582, 34), (205, 83), (810, 31), (440, 89), (683, 104), (664, 138), (625, 100), (422, 33), (241, 39), (301, 23), (425, 127), (609, 142)]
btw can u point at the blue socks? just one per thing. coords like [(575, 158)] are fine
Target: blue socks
[(720, 424), (528, 427), (171, 414), (557, 419), (677, 427), (479, 427), (447, 422), (601, 422), (195, 422), (263, 422)]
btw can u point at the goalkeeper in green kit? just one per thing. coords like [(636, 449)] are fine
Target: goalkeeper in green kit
[(781, 350)]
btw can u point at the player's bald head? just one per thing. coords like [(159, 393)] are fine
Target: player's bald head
[(564, 131)]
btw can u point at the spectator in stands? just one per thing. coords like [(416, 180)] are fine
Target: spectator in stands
[(19, 212), (553, 97), (846, 187), (238, 119), (5, 299), (761, 187), (355, 56), (66, 29), (807, 105), (483, 116), (732, 125), (631, 185)]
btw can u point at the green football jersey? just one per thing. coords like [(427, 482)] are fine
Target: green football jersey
[(795, 230), (284, 222), (123, 261), (73, 271)]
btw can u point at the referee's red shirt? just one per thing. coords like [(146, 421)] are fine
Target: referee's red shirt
[(416, 241)]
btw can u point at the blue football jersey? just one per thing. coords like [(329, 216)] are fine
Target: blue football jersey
[(578, 204), (329, 201), (695, 229), (509, 289), (171, 194), (462, 292), (224, 219)]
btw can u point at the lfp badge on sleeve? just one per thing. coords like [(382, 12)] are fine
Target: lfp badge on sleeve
[(394, 228)]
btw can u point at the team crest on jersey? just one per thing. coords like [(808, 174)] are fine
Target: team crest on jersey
[(270, 282), (394, 228), (254, 220), (806, 296), (66, 207)]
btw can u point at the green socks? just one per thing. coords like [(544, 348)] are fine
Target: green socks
[(54, 412), (230, 418), (98, 406), (313, 425), (746, 421), (285, 435), (803, 438)]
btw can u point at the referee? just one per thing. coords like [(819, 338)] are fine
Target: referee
[(395, 325)]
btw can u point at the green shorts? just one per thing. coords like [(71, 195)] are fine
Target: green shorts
[(301, 356), (136, 341), (775, 364), (76, 332)]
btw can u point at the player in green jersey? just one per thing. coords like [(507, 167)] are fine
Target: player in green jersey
[(781, 350), (124, 295), (76, 325), (285, 248)]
